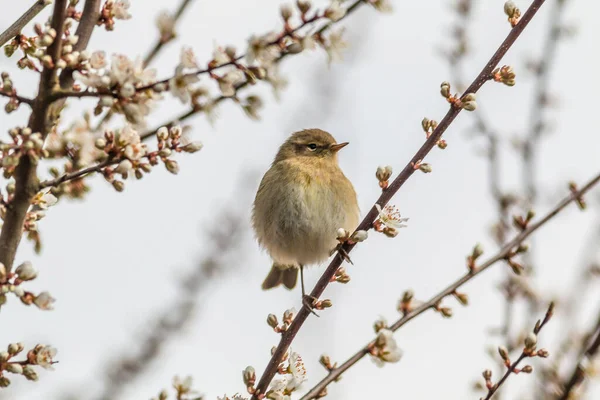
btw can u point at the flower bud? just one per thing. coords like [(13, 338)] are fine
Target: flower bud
[(4, 356), (118, 185), (15, 348), (272, 321), (4, 381), (26, 272), (530, 341), (383, 173), (124, 167), (425, 167), (445, 89), (360, 236), (192, 147), (469, 105), (286, 12), (342, 234), (249, 376), (30, 373), (527, 369), (162, 133), (172, 166), (100, 143), (503, 352), (14, 368)]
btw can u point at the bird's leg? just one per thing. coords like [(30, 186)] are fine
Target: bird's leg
[(342, 252), (307, 300)]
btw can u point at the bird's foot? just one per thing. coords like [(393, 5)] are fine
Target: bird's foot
[(310, 302), (342, 252)]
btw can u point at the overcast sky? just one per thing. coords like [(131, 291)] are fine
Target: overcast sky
[(113, 261)]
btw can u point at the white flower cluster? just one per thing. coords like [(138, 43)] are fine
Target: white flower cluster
[(385, 349), (123, 77), (23, 273)]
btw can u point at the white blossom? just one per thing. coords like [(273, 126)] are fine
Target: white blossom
[(335, 11), (386, 348), (120, 9), (390, 217), (297, 371), (336, 46), (44, 357), (179, 85), (44, 301), (98, 60), (166, 25), (187, 58)]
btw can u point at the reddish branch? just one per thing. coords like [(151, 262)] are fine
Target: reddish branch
[(451, 289), (288, 336)]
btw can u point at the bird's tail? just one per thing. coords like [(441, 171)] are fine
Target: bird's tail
[(286, 274)]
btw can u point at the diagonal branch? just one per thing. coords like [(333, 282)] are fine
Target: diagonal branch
[(26, 180), (23, 20), (578, 375), (162, 41), (448, 291), (289, 335)]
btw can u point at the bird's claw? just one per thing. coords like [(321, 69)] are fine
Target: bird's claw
[(310, 301)]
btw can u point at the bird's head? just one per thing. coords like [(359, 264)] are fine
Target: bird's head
[(311, 143)]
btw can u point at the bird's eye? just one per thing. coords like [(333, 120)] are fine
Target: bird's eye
[(312, 146)]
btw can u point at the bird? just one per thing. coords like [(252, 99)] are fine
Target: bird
[(300, 205)]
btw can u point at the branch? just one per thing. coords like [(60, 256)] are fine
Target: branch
[(79, 173), (20, 99), (87, 23), (578, 375), (26, 180), (162, 41), (23, 20), (540, 100), (211, 68), (195, 110), (448, 291), (528, 351), (289, 335)]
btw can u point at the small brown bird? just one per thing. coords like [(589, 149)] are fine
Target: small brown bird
[(302, 201)]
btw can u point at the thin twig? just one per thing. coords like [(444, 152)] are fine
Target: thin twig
[(527, 352), (578, 375), (23, 20), (20, 99), (195, 110), (448, 291), (289, 335), (79, 173), (211, 68), (540, 101), (163, 41)]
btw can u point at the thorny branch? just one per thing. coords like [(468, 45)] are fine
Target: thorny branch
[(435, 300), (289, 335)]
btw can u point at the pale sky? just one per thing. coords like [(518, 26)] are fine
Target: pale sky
[(113, 260)]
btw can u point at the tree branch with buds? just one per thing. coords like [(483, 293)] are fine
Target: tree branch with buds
[(456, 106), (23, 20), (508, 251), (529, 351)]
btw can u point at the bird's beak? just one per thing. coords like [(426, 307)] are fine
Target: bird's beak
[(338, 146)]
